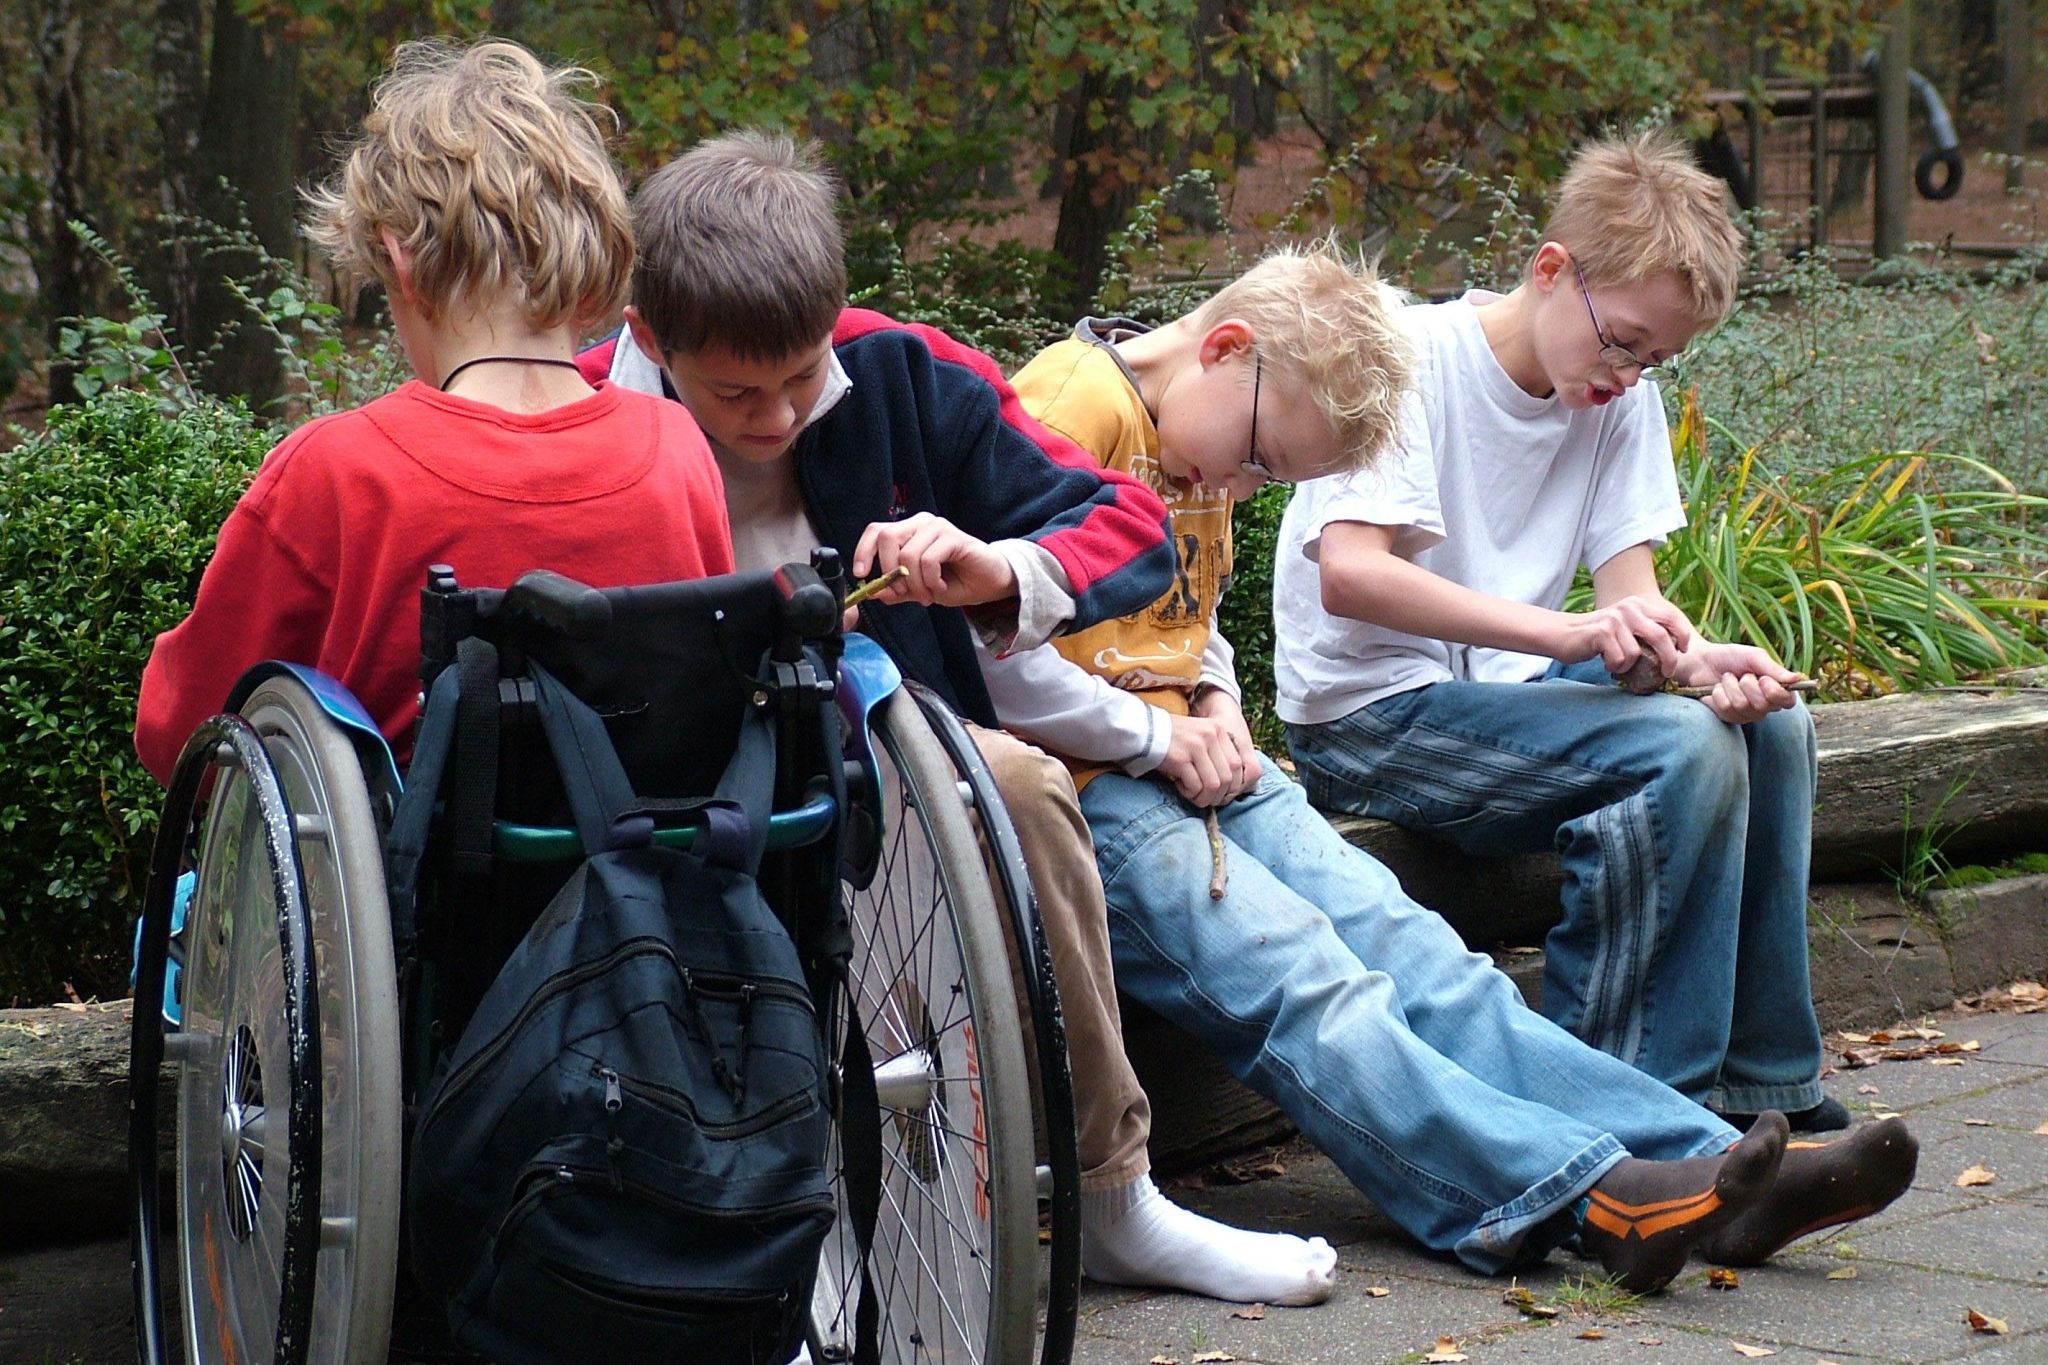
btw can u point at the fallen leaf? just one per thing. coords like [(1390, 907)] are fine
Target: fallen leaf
[(1855, 1037), (1163, 1360), (1720, 1277), (2042, 1131), (1944, 1061), (1976, 1175), (2027, 990), (1592, 1334), (1523, 952), (1251, 1313), (1753, 1352), (1377, 1291), (1847, 1272), (1881, 1037), (1446, 1352), (1649, 1341), (1976, 1123), (1205, 1357), (1882, 1114), (1989, 1326), (1518, 1296), (1866, 1090)]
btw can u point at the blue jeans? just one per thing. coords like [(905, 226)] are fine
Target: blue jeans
[(1468, 1118), (1685, 843)]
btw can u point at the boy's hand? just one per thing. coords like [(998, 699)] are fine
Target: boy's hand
[(1213, 703), (948, 567), (1748, 683), (1622, 631), (1204, 762)]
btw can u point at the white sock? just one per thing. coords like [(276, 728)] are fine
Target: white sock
[(1132, 1234)]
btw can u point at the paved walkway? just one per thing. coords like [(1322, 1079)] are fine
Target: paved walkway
[(1896, 1287), (1918, 1269)]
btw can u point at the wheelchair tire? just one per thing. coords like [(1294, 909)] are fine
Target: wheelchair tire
[(954, 1259), (1053, 1094), (237, 1050)]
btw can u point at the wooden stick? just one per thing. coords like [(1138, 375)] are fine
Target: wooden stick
[(879, 583), (1805, 686), (1219, 870)]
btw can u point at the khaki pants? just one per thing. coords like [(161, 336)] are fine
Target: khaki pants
[(1112, 1114)]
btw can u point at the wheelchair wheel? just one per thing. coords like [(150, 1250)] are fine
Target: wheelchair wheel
[(954, 1260), (240, 1052)]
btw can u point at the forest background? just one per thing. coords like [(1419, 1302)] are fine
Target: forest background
[(1861, 464)]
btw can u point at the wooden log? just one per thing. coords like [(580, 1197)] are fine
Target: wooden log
[(1974, 763)]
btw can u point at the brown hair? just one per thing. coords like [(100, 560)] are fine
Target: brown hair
[(1328, 321), (1630, 208), (740, 246), (494, 175)]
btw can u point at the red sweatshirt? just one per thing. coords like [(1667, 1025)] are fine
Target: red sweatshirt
[(322, 560)]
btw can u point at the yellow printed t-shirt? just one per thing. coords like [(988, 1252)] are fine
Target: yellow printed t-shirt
[(1081, 389)]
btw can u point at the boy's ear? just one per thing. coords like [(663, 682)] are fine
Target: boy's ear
[(643, 336), (401, 262), (1232, 336), (1547, 267)]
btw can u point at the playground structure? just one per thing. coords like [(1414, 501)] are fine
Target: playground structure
[(1826, 158)]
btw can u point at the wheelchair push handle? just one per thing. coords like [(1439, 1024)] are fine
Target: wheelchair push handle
[(561, 604)]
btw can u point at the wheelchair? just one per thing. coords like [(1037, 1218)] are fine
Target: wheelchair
[(309, 1002)]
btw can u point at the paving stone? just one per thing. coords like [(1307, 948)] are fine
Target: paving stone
[(1994, 1240)]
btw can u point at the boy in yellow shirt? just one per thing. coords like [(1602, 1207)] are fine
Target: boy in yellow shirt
[(1476, 1124)]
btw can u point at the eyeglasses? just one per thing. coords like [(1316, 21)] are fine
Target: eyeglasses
[(1255, 464), (1613, 354)]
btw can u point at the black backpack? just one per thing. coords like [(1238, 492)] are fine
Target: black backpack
[(627, 1144)]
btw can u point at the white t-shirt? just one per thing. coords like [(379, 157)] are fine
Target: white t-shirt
[(1488, 487)]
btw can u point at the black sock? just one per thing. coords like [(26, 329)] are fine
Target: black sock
[(1643, 1218), (1820, 1186)]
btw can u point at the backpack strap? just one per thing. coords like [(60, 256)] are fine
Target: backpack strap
[(608, 814), (405, 845)]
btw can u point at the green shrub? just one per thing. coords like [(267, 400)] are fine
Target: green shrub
[(106, 520), (1886, 572), (1246, 616)]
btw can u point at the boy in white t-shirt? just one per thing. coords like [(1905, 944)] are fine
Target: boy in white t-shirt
[(1428, 675)]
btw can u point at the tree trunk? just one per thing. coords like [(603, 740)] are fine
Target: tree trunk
[(180, 98), (1100, 191), (60, 109), (246, 154)]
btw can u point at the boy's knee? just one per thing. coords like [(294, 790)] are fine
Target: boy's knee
[(1036, 788)]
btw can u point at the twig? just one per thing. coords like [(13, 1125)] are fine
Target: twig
[(1219, 870), (879, 583), (1805, 686)]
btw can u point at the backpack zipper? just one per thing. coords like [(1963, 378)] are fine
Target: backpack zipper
[(676, 1103)]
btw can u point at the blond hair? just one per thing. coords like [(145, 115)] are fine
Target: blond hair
[(494, 175), (1328, 322), (740, 246), (1632, 208)]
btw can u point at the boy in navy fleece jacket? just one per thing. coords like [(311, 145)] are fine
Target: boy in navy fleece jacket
[(899, 446)]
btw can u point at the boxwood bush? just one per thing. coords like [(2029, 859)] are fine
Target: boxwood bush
[(106, 520)]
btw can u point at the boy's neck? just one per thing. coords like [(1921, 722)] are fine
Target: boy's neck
[(507, 383), (1159, 357), (1509, 326)]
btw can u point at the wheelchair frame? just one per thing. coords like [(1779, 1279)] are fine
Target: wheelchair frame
[(268, 779)]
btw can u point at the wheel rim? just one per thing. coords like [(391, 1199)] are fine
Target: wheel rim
[(236, 1059), (360, 1159), (937, 1243)]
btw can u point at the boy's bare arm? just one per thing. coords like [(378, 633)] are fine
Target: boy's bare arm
[(1364, 579)]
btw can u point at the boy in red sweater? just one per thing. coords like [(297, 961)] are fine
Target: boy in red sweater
[(482, 196)]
